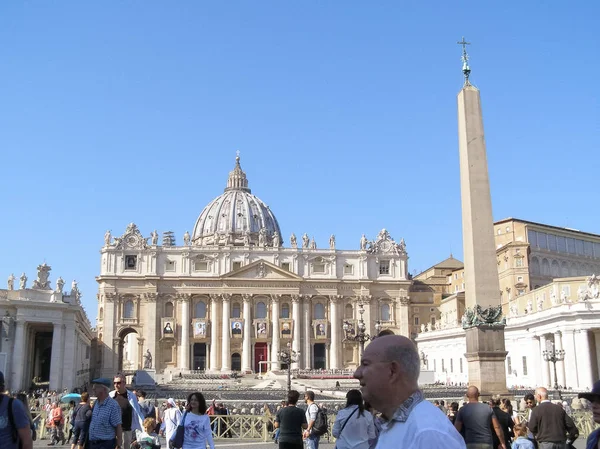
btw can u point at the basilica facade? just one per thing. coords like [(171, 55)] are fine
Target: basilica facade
[(233, 296)]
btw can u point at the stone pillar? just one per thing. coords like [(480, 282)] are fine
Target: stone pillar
[(248, 331), (485, 356), (327, 356), (568, 342), (56, 366), (584, 362), (545, 368), (226, 339), (149, 340), (275, 323), (560, 366), (184, 351), (69, 367), (18, 358), (404, 319), (534, 363), (335, 332), (214, 332), (597, 344), (297, 329), (307, 333)]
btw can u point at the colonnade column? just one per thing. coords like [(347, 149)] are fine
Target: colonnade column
[(69, 362), (18, 357), (335, 332), (56, 366), (297, 329), (248, 329), (275, 325), (584, 365), (214, 332), (307, 332), (184, 353), (404, 319), (225, 340), (544, 365), (560, 366), (568, 342)]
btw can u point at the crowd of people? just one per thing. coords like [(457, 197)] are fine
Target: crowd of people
[(388, 411)]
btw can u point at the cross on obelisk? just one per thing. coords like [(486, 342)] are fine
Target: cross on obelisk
[(465, 59), (483, 323)]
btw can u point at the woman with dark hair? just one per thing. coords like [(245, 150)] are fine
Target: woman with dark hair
[(196, 424), (353, 428), (82, 416)]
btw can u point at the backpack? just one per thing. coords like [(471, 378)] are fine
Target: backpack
[(148, 410), (11, 420), (320, 427)]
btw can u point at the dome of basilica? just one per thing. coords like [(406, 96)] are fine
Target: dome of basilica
[(237, 217)]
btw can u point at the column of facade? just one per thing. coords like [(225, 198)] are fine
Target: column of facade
[(275, 324), (248, 329), (335, 332), (297, 329), (149, 340), (56, 366), (584, 362), (544, 365), (560, 366), (226, 340), (597, 344), (184, 352), (69, 360), (214, 332), (404, 318), (307, 333), (18, 357), (568, 343)]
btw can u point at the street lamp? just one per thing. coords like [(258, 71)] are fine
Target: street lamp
[(289, 356), (361, 335), (552, 355)]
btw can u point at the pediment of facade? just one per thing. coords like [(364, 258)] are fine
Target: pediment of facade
[(262, 270)]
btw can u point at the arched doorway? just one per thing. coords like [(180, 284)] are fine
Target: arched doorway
[(236, 362), (128, 350)]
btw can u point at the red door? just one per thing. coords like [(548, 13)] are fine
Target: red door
[(260, 355)]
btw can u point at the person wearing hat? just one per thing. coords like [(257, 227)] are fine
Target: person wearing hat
[(593, 440), (171, 419), (15, 432), (105, 428)]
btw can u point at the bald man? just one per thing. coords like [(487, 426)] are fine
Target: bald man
[(388, 376), (550, 423), (477, 419)]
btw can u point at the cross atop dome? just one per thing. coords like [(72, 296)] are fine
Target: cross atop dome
[(237, 178)]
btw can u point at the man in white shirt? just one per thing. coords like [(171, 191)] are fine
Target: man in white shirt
[(388, 376)]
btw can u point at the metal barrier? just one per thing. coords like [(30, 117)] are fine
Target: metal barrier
[(251, 427)]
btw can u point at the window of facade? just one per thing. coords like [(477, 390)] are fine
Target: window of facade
[(561, 244), (348, 269), (416, 321), (597, 250), (588, 249), (571, 245), (455, 276), (201, 265), (551, 242), (285, 310), (434, 366), (319, 311), (519, 262), (169, 309), (463, 286), (130, 262), (101, 314), (236, 311), (524, 366), (519, 278), (499, 231), (535, 265), (451, 365), (236, 265), (508, 365), (348, 312), (261, 310), (532, 237), (542, 240), (385, 312), (461, 365), (128, 309), (170, 265), (384, 267), (200, 311), (443, 366), (318, 268), (285, 266), (579, 247)]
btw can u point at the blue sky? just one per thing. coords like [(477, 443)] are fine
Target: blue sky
[(344, 113)]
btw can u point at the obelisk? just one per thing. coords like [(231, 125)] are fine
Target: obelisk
[(483, 323)]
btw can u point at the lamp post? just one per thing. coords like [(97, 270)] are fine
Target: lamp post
[(289, 356), (552, 355), (360, 335)]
